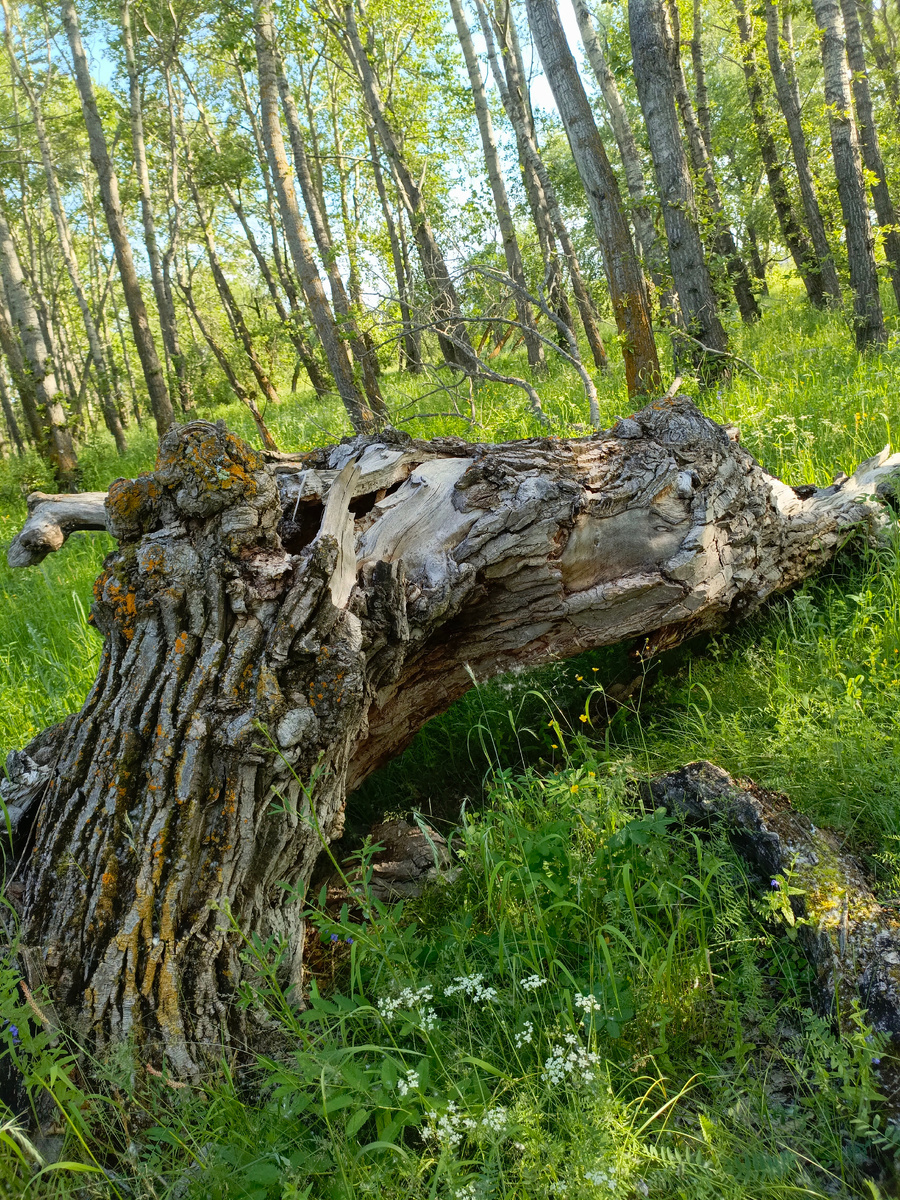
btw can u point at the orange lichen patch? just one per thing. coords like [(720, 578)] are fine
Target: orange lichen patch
[(152, 559), (217, 460), (181, 642), (122, 601)]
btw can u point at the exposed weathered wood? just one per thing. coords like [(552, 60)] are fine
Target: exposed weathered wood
[(274, 633), (852, 941), (50, 521)]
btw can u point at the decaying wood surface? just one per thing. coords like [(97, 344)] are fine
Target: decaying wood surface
[(852, 941), (50, 521), (275, 632)]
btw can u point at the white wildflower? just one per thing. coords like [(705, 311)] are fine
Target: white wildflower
[(472, 985), (532, 983), (524, 1036), (444, 1127), (448, 1127), (494, 1120), (588, 1003), (408, 1083), (467, 1191), (558, 1187), (412, 1000), (602, 1178), (570, 1064)]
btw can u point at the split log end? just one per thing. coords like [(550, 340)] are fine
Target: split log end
[(50, 521)]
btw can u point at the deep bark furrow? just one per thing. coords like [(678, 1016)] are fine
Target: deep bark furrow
[(234, 625)]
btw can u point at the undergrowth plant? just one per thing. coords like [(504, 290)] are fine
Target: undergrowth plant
[(601, 1003)]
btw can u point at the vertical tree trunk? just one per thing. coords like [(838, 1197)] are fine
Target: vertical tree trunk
[(723, 240), (799, 246), (54, 437), (867, 313), (886, 69), (868, 143), (700, 90), (641, 210), (411, 352), (623, 271), (361, 416), (543, 201), (315, 211), (301, 346), (228, 371), (97, 349), (9, 415), (452, 333), (166, 310), (514, 267), (656, 92), (534, 191), (185, 391), (789, 102), (160, 403)]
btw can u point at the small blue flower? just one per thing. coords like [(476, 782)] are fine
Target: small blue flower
[(335, 938), (875, 1062), (775, 884), (349, 941), (14, 1030)]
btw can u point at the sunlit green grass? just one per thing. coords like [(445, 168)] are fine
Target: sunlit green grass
[(713, 1078)]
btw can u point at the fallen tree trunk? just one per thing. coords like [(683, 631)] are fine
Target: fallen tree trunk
[(852, 941), (273, 633)]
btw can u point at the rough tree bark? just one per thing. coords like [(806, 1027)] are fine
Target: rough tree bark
[(656, 92), (799, 245), (789, 101), (338, 600), (869, 144), (624, 276), (867, 312), (154, 374), (512, 253)]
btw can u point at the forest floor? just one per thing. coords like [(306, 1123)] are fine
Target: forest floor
[(600, 1005)]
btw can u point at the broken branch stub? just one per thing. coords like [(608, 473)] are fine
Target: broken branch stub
[(274, 633)]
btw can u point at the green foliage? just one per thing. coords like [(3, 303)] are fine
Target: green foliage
[(600, 1004)]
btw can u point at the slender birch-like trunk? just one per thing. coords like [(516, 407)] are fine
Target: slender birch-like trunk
[(868, 318), (723, 237), (168, 322), (315, 210), (789, 102), (623, 271), (453, 336), (656, 92), (514, 267), (868, 142), (799, 245), (48, 421), (361, 416), (154, 374), (98, 351), (641, 209)]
